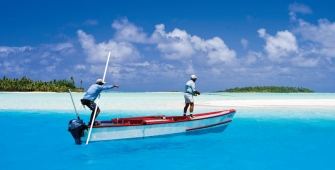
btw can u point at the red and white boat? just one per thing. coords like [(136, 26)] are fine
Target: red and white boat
[(149, 126)]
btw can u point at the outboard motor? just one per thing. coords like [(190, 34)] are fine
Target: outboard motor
[(76, 128)]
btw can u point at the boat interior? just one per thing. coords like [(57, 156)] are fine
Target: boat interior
[(145, 120)]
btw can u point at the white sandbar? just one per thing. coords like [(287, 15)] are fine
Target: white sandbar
[(328, 103)]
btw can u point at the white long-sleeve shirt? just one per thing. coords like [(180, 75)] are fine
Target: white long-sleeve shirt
[(190, 87)]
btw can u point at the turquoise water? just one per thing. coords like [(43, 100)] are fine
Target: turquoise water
[(34, 135)]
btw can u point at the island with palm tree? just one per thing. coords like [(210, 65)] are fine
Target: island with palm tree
[(28, 85)]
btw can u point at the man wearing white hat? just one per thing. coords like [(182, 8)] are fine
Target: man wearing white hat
[(188, 95), (92, 93)]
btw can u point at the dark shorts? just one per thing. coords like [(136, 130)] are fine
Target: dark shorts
[(90, 104)]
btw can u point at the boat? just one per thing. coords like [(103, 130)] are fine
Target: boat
[(150, 126)]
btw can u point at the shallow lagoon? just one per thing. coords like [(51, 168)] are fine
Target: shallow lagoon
[(35, 134)]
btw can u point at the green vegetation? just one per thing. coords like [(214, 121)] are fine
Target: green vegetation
[(270, 89), (28, 85)]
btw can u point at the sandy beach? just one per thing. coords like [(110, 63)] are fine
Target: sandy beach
[(327, 103)]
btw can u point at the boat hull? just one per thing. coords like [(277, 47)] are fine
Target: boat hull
[(159, 126)]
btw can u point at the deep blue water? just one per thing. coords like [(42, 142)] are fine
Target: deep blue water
[(39, 140)]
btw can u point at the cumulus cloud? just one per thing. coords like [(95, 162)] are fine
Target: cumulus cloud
[(179, 45), (98, 53), (175, 45), (322, 36), (252, 57), (126, 31), (279, 46), (175, 54), (216, 50)]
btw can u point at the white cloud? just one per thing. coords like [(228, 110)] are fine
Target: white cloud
[(190, 54), (126, 31), (80, 67), (298, 8), (91, 22), (46, 48), (11, 67), (179, 45), (316, 42), (322, 36), (176, 45), (302, 62), (60, 46), (36, 60), (51, 68), (98, 53), (252, 57), (217, 51), (244, 43), (279, 46), (5, 51), (44, 62), (217, 72), (139, 64)]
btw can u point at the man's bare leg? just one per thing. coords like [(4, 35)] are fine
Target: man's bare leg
[(96, 115), (191, 109), (185, 108)]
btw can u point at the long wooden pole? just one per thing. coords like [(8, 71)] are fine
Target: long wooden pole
[(95, 111), (74, 105)]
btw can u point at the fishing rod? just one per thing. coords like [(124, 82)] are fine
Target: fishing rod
[(95, 111), (74, 105)]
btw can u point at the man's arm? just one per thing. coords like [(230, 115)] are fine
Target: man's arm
[(109, 87), (195, 91)]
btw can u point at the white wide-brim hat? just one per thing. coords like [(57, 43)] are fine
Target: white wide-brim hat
[(100, 81)]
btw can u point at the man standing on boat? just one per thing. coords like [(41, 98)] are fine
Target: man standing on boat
[(188, 95), (92, 93)]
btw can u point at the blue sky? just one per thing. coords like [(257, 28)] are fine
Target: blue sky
[(156, 45)]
